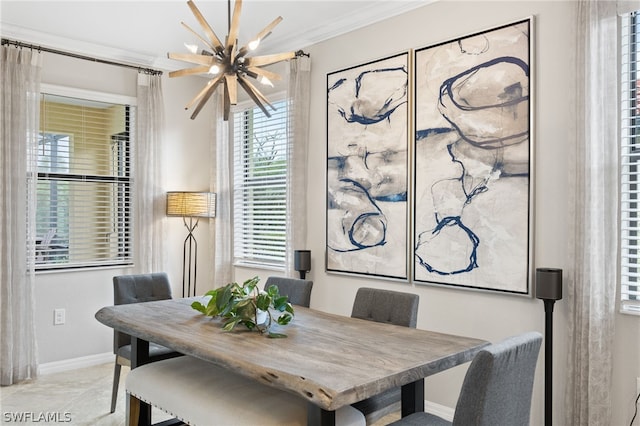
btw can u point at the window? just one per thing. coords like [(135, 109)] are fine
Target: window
[(83, 215), (630, 160), (259, 194)]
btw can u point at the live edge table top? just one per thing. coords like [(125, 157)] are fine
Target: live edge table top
[(329, 360)]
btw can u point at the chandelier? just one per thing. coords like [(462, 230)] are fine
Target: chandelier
[(228, 65)]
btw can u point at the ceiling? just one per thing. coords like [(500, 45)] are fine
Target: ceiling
[(143, 32)]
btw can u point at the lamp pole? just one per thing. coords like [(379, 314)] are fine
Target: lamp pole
[(189, 257), (549, 289)]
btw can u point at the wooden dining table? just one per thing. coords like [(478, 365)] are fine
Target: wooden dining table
[(329, 360)]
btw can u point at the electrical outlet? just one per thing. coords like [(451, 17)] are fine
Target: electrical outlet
[(58, 316)]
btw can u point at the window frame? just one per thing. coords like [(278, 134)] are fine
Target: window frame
[(103, 97), (240, 260)]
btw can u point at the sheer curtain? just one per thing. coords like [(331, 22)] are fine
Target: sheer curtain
[(20, 109), (298, 131), (593, 212), (221, 234), (149, 194)]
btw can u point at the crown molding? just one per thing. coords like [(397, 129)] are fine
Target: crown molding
[(369, 13), (80, 47)]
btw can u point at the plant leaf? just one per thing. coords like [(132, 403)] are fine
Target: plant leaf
[(276, 335), (263, 301), (284, 319), (231, 323), (289, 308), (199, 307)]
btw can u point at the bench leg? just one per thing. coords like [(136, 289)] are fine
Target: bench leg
[(138, 412), (133, 410), (316, 416)]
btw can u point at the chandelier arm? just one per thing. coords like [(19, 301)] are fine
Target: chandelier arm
[(259, 61), (231, 82), (254, 90), (190, 71), (261, 35), (258, 93), (234, 27), (232, 53), (213, 83), (252, 94), (209, 91), (204, 40), (264, 73), (226, 103), (193, 58), (215, 41)]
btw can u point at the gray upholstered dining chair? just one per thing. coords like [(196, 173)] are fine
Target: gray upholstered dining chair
[(298, 291), (393, 307), (496, 389), (136, 289)]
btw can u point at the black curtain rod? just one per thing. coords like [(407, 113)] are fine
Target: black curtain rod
[(20, 44)]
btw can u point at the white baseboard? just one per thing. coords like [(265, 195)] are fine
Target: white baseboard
[(74, 363), (439, 410)]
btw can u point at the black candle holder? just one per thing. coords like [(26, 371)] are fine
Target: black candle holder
[(302, 262)]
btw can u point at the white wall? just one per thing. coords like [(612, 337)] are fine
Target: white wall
[(490, 316)]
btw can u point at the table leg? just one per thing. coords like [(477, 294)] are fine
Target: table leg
[(140, 356), (412, 398), (316, 416)]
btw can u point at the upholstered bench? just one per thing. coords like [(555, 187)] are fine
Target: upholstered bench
[(200, 393)]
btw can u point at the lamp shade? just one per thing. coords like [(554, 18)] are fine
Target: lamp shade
[(191, 204), (302, 260)]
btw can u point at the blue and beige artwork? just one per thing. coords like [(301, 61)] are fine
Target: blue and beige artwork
[(367, 213), (472, 161)]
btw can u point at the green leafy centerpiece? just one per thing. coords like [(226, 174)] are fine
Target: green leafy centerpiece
[(247, 305)]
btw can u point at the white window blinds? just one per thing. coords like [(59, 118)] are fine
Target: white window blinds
[(630, 160), (260, 193), (84, 204)]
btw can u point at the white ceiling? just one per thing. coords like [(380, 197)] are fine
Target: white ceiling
[(143, 32)]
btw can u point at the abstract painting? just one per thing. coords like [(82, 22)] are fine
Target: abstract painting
[(472, 161), (367, 169)]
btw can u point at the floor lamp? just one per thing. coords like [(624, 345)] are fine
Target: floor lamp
[(191, 205), (549, 289)]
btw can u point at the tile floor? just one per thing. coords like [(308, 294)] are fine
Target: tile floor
[(76, 397), (79, 397)]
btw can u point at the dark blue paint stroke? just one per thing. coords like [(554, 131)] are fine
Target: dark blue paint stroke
[(337, 84), (475, 241), (384, 112), (362, 75), (447, 88), (393, 198), (376, 118), (447, 85), (362, 218), (423, 134), (350, 232), (479, 189)]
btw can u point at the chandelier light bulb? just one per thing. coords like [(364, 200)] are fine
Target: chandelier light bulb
[(264, 80), (253, 44), (193, 48), (214, 69)]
